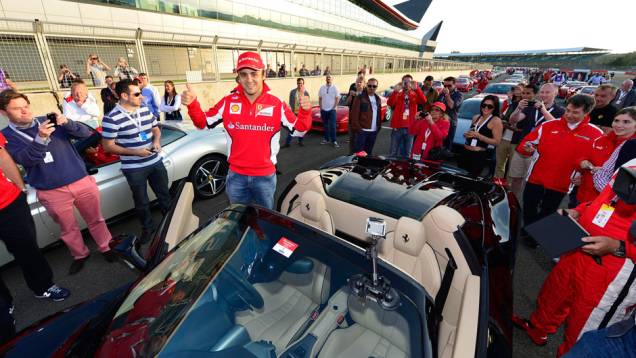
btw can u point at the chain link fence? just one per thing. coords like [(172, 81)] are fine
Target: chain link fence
[(38, 55)]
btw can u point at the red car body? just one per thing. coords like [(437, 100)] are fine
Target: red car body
[(464, 84), (566, 90), (342, 115)]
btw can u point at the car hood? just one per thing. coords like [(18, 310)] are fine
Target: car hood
[(65, 330)]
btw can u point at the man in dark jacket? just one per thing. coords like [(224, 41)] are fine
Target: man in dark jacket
[(365, 117)]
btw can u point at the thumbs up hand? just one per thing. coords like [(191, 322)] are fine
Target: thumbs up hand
[(189, 95), (305, 103)]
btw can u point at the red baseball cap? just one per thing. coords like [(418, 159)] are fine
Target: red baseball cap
[(249, 60), (440, 105)]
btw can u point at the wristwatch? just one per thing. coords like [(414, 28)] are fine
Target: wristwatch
[(620, 251)]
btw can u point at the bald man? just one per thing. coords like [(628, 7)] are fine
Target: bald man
[(625, 96)]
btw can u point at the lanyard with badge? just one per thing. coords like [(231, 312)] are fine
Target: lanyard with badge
[(426, 135), (136, 121), (473, 142), (605, 213), (48, 157), (538, 120), (405, 116)]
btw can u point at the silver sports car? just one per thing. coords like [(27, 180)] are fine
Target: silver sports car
[(199, 155)]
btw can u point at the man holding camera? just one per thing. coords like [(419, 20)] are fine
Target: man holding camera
[(132, 132), (42, 146), (404, 100), (452, 99), (529, 114), (17, 231)]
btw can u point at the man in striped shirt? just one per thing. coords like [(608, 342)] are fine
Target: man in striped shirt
[(131, 131)]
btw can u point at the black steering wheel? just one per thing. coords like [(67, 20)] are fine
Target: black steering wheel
[(246, 290)]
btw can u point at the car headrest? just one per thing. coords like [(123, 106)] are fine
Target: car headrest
[(312, 205), (410, 236)]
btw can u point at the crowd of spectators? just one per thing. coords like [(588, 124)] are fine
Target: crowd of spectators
[(541, 150)]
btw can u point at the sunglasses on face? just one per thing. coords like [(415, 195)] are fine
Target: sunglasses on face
[(372, 86), (93, 58), (136, 94), (448, 86), (487, 105)]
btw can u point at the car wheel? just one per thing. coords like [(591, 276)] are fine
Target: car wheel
[(208, 176)]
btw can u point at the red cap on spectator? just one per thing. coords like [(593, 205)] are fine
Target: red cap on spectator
[(440, 105), (249, 60)]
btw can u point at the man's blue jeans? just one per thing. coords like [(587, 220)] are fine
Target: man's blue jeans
[(329, 124), (138, 180), (246, 189), (606, 343), (401, 143)]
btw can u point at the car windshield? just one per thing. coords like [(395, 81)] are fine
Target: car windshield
[(246, 284), (497, 88), (468, 109)]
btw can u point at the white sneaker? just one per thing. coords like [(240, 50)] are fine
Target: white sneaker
[(336, 145)]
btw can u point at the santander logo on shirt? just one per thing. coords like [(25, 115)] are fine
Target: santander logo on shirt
[(251, 127)]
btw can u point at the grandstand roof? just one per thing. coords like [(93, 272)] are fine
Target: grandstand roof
[(560, 51)]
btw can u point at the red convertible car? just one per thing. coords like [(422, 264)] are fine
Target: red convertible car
[(464, 84), (342, 115), (569, 88)]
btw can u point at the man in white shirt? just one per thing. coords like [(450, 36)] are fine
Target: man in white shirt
[(328, 96), (81, 106)]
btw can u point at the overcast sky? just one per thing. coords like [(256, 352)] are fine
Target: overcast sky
[(501, 25)]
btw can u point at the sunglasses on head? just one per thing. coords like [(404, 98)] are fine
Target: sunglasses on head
[(487, 105), (372, 86)]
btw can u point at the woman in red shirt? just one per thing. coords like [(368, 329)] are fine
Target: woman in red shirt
[(623, 128), (429, 132)]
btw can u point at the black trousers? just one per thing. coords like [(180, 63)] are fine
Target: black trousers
[(473, 162), (17, 231), (539, 202)]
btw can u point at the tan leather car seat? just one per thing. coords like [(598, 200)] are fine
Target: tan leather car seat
[(289, 302), (407, 249), (312, 211), (375, 333)]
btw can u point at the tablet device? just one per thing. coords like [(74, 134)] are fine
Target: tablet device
[(557, 234)]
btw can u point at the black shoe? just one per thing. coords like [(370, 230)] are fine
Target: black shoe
[(301, 144), (109, 256), (286, 145), (77, 265)]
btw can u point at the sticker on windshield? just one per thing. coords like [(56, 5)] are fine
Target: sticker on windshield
[(285, 247)]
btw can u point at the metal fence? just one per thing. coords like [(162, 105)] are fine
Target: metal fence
[(33, 53)]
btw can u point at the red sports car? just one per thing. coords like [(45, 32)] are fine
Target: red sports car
[(342, 115), (569, 88), (464, 84)]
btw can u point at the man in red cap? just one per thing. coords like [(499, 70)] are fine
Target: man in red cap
[(429, 132), (252, 118)]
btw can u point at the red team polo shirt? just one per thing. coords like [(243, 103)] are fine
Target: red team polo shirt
[(8, 191)]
